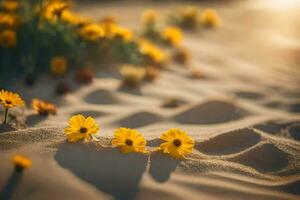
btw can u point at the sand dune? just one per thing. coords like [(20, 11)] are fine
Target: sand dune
[(244, 117)]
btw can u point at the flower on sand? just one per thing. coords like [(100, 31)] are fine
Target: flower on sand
[(8, 38), (177, 143), (132, 75), (58, 65), (129, 140), (210, 18), (172, 35), (92, 32), (155, 54), (81, 128), (43, 107), (21, 162), (189, 16), (10, 99)]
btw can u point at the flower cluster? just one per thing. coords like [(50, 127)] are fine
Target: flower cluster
[(190, 17), (10, 100), (172, 35), (41, 36), (175, 142)]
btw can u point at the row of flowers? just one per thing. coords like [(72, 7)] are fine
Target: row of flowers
[(177, 142), (10, 99)]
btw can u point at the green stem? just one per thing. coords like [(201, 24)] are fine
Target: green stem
[(5, 116)]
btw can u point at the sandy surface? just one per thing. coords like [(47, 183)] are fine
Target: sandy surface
[(244, 116)]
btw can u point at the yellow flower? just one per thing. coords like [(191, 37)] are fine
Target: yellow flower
[(109, 28), (132, 75), (58, 65), (149, 17), (54, 10), (92, 32), (8, 38), (210, 18), (10, 5), (70, 17), (148, 49), (189, 17), (43, 107), (125, 34), (177, 143), (129, 140), (10, 99), (80, 128), (172, 35), (21, 162)]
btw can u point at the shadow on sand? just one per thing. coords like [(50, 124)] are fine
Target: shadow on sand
[(11, 185), (34, 119), (110, 171), (161, 166)]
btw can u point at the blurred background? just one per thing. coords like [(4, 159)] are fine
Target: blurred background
[(262, 32)]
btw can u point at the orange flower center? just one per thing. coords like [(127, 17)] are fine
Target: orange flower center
[(128, 142), (177, 142), (83, 130), (8, 102)]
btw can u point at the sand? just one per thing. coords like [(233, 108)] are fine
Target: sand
[(244, 117)]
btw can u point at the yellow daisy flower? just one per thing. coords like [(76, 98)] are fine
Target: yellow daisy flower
[(156, 55), (92, 32), (10, 99), (8, 38), (132, 75), (125, 34), (21, 162), (43, 107), (80, 128), (177, 143), (58, 65), (172, 35), (210, 18), (109, 29), (129, 140)]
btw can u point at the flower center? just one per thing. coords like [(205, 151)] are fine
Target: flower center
[(177, 142), (7, 101), (83, 130), (128, 142)]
